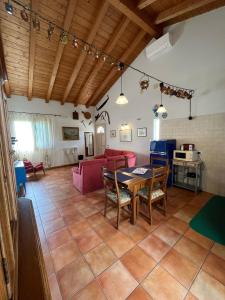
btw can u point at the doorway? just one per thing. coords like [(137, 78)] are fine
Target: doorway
[(100, 134)]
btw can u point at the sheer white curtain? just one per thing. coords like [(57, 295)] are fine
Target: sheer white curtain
[(35, 135)]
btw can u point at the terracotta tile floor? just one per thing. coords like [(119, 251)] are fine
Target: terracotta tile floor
[(87, 258)]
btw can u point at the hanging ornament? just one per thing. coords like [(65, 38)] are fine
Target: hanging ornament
[(75, 42), (9, 8), (144, 83), (154, 109), (36, 23), (24, 15), (50, 30), (64, 37)]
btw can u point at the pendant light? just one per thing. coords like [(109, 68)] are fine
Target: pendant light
[(121, 100), (161, 111)]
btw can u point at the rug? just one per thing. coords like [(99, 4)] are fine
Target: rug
[(210, 220)]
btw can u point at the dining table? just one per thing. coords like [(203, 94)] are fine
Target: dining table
[(133, 182)]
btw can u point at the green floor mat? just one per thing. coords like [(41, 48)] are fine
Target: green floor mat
[(210, 220)]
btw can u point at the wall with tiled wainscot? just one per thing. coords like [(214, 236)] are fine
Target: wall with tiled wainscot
[(208, 134)]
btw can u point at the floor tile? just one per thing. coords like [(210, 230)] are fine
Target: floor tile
[(199, 239), (162, 286), (91, 291), (88, 211), (49, 264), (73, 277), (181, 268), (105, 230), (205, 287), (219, 250), (138, 263), (116, 282), (190, 296), (67, 210), (72, 219), (49, 216), (215, 266), (58, 238), (88, 240), (78, 228), (100, 258), (139, 294), (54, 287), (120, 244), (155, 247), (53, 225), (65, 254), (177, 224), (167, 234), (96, 219), (135, 232), (191, 250)]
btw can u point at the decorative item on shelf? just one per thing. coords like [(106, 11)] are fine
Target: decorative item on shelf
[(121, 100), (75, 115), (144, 83), (64, 37), (103, 115), (113, 133), (87, 115), (103, 104), (36, 23), (161, 111), (24, 15), (142, 132), (50, 30), (9, 7)]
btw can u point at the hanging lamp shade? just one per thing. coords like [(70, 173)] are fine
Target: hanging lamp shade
[(122, 99), (161, 111)]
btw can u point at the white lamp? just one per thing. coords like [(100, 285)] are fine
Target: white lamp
[(121, 100), (161, 111)]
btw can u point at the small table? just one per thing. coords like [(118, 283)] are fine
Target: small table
[(20, 173), (133, 182)]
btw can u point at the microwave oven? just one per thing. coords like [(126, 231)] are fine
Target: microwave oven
[(185, 155)]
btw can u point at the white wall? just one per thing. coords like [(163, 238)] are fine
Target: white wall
[(197, 60), (63, 150)]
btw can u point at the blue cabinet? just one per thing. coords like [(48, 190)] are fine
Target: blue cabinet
[(20, 173)]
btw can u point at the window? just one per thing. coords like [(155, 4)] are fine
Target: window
[(24, 135), (100, 129), (156, 128)]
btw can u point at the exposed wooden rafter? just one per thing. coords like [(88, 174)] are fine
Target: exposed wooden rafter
[(34, 6), (82, 56), (181, 9), (67, 23), (140, 18), (144, 3), (109, 47), (111, 74)]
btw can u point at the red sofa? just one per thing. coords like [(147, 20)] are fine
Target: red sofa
[(88, 176)]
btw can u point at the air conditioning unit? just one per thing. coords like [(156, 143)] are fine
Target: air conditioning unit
[(159, 47)]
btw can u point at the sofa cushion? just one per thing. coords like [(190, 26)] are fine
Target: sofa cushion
[(113, 152), (123, 195), (144, 192), (93, 162)]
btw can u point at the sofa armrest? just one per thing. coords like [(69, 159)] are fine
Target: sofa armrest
[(76, 170)]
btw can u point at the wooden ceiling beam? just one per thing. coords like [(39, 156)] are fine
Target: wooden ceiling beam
[(34, 6), (4, 73), (67, 23), (140, 18), (145, 3), (111, 74), (109, 47), (104, 6), (180, 9)]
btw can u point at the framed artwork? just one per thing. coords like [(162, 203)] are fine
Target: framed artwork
[(70, 133), (126, 135), (142, 132), (112, 133)]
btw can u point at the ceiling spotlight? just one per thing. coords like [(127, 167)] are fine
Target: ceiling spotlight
[(9, 7), (50, 30), (64, 37), (97, 55), (75, 42), (120, 66)]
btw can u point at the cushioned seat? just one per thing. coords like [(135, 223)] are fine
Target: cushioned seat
[(144, 192), (124, 196)]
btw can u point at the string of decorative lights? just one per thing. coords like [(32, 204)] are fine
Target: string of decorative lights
[(91, 49)]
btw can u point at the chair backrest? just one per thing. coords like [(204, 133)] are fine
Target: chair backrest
[(157, 161), (28, 166), (159, 179), (119, 163), (111, 184)]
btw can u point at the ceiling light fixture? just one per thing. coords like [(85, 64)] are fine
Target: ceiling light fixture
[(121, 99), (9, 7), (161, 111)]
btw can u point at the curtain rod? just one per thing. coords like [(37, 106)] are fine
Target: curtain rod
[(29, 113)]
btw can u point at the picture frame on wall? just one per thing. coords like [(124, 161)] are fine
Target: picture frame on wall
[(112, 133), (70, 133), (126, 135), (142, 132)]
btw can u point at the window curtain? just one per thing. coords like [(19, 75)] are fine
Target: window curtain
[(35, 137)]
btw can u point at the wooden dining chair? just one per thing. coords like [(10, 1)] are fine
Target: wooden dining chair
[(118, 197), (156, 191), (157, 161), (116, 164)]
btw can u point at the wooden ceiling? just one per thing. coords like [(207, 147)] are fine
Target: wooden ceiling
[(49, 70)]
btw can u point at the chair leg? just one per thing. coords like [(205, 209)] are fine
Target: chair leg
[(106, 202), (118, 217), (150, 211)]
